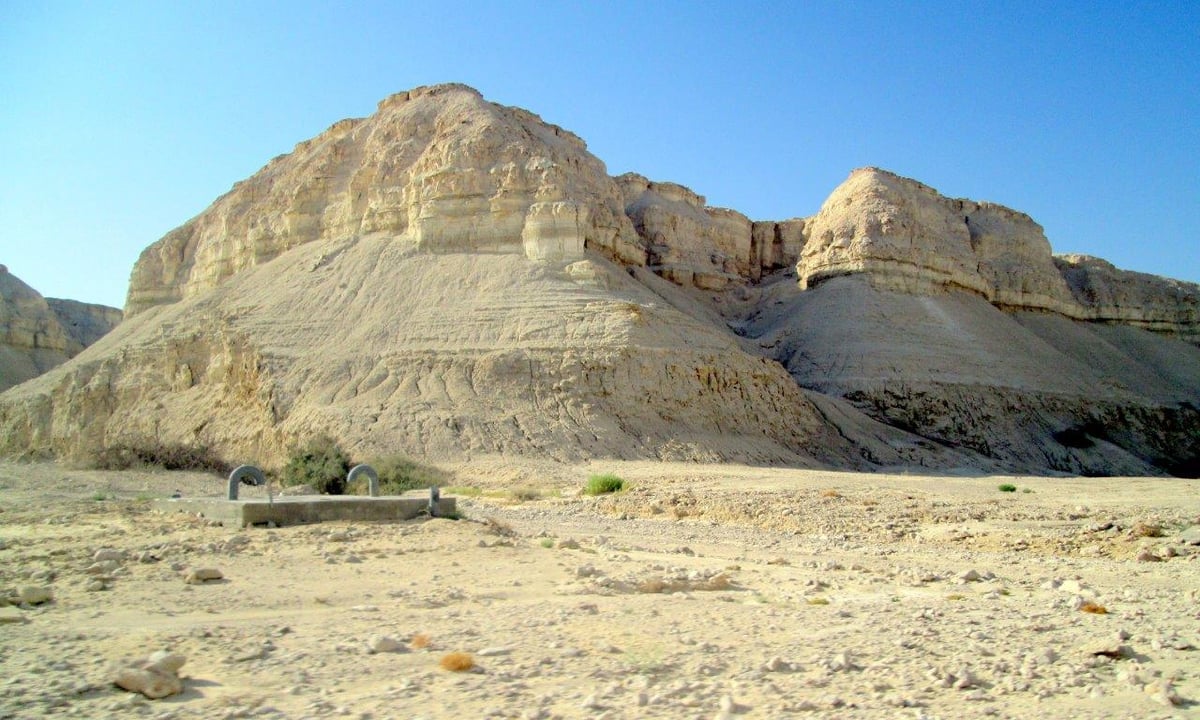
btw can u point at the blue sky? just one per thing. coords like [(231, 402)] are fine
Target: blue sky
[(120, 121)]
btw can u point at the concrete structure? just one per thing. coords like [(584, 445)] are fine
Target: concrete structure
[(301, 509)]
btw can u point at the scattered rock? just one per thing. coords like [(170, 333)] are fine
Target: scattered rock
[(10, 614), (36, 595), (199, 576), (156, 676), (108, 554), (385, 644)]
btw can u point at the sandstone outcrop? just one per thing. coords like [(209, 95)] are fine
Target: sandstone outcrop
[(38, 333), (453, 278)]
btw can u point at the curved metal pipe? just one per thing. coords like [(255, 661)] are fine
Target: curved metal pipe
[(247, 474), (372, 478)]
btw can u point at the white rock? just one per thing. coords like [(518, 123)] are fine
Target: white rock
[(494, 651), (36, 595), (108, 554), (386, 644), (10, 614), (199, 576)]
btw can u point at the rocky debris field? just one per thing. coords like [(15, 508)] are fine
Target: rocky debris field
[(699, 591)]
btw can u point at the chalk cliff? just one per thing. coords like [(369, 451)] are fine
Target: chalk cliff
[(451, 277), (38, 333)]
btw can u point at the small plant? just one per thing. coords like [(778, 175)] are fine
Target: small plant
[(1008, 487), (830, 493), (399, 474), (546, 543), (817, 601), (525, 494), (420, 641), (321, 463), (457, 662), (603, 484), (1093, 608), (152, 453), (99, 496)]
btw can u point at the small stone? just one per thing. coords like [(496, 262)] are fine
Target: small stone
[(108, 555), (10, 614), (1147, 556), (199, 576), (385, 644), (493, 651), (777, 664), (166, 662), (568, 544), (36, 595), (96, 585), (1190, 536), (970, 576)]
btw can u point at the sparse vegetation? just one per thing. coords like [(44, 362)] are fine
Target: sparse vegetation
[(1093, 608), (399, 474), (1008, 487), (603, 484), (457, 662), (321, 463), (546, 543), (168, 456), (420, 641)]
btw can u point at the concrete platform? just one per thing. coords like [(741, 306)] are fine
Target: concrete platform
[(300, 509)]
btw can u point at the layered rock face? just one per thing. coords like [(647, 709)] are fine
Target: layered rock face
[(693, 244), (38, 333), (952, 319), (905, 236), (450, 277), (438, 168)]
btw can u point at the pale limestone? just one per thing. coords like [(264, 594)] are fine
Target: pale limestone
[(38, 333)]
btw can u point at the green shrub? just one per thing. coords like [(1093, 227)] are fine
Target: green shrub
[(1008, 487), (151, 453), (321, 463), (602, 484), (399, 474)]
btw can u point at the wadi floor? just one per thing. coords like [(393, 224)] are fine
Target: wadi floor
[(701, 591)]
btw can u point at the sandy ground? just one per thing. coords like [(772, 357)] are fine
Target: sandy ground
[(699, 592)]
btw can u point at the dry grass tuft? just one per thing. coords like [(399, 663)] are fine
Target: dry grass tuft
[(1146, 530), (420, 641), (830, 493), (457, 662), (1093, 608)]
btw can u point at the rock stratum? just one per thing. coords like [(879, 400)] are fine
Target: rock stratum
[(450, 277), (38, 333)]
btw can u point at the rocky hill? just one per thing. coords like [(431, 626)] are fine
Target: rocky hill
[(450, 277), (38, 333)]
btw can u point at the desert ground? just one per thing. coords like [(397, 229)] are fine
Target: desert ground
[(699, 591)]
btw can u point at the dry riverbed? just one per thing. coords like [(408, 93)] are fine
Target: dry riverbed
[(700, 591)]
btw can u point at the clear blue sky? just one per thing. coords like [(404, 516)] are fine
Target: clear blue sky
[(119, 121)]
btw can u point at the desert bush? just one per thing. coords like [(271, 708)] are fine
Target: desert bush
[(602, 484), (399, 474), (457, 662), (168, 456), (321, 463), (1008, 487)]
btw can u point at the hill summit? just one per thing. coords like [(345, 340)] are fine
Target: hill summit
[(450, 278)]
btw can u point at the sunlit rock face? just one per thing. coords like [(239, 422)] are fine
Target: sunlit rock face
[(454, 278), (38, 333), (436, 168)]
